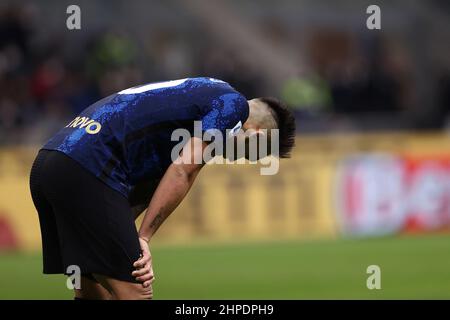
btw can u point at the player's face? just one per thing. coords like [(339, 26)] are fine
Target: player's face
[(248, 138), (251, 129)]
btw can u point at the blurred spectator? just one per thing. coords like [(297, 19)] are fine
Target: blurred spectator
[(310, 94), (443, 88), (360, 80)]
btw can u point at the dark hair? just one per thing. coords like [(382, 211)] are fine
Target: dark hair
[(286, 124)]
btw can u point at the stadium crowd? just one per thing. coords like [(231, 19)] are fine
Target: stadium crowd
[(43, 84)]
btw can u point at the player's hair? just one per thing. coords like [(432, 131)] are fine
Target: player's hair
[(285, 122)]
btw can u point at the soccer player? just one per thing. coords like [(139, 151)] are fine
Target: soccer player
[(91, 180)]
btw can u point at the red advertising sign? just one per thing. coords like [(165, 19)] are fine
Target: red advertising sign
[(382, 194)]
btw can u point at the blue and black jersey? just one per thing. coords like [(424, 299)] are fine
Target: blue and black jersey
[(125, 138)]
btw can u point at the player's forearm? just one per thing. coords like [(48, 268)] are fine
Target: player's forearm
[(170, 192)]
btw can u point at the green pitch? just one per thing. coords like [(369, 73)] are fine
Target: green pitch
[(411, 268)]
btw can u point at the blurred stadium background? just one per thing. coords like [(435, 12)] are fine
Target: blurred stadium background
[(369, 181)]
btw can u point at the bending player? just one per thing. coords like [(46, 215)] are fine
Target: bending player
[(111, 162)]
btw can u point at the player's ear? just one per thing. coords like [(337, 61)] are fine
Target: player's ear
[(253, 143)]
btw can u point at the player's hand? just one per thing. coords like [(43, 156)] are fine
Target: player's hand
[(144, 268)]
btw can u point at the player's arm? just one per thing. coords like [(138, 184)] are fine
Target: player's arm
[(171, 190), (173, 187)]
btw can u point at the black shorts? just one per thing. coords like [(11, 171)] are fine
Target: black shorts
[(83, 221)]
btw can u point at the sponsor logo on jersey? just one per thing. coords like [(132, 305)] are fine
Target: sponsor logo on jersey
[(89, 125)]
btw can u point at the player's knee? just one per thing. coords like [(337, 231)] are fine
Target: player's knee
[(91, 290), (144, 293), (92, 295), (123, 290), (135, 291)]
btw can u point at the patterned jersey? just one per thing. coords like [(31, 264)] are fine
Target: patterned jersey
[(125, 139)]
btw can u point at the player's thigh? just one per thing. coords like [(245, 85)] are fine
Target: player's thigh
[(124, 290), (90, 289)]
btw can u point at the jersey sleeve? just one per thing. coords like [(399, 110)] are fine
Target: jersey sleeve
[(226, 113)]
